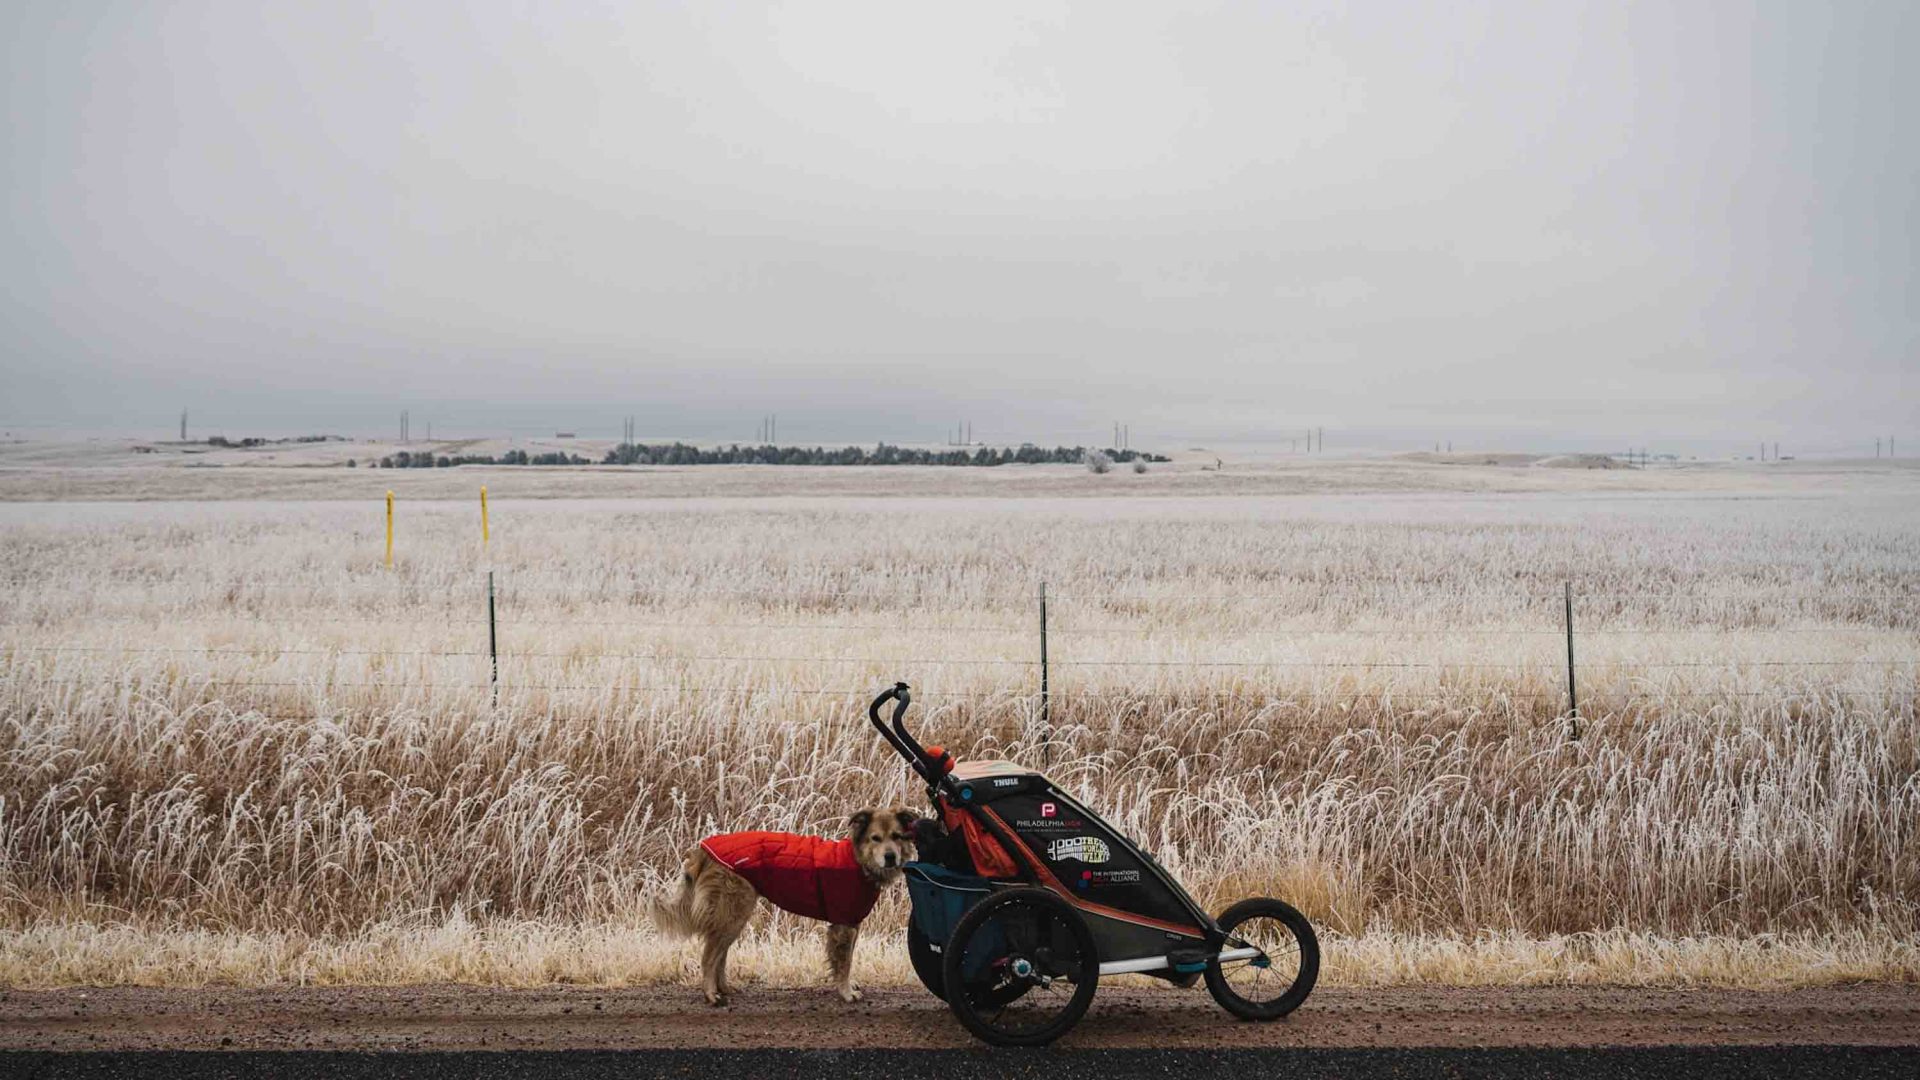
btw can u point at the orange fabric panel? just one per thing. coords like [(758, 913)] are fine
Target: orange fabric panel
[(989, 858)]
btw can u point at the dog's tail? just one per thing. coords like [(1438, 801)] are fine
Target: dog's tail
[(674, 917)]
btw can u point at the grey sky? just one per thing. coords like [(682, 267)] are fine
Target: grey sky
[(1542, 224)]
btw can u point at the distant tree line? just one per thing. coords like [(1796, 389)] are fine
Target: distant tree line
[(423, 460), (883, 454), (222, 440), (683, 454)]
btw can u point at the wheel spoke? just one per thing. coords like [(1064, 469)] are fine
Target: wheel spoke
[(1270, 975), (1030, 943)]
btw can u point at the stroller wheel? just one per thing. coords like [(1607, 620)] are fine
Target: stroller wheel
[(1025, 960), (926, 964), (1274, 982)]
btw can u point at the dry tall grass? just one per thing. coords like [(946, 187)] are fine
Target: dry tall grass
[(237, 748)]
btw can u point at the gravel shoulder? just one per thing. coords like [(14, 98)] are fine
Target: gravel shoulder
[(459, 1018)]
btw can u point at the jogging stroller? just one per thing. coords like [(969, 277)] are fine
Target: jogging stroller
[(1039, 898)]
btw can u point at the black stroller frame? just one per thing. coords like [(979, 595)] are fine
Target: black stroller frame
[(1058, 898)]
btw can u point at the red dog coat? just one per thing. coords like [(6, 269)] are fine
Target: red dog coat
[(804, 874)]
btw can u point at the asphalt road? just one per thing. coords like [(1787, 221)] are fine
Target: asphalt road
[(1664, 1063)]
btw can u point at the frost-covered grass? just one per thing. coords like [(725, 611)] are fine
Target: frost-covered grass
[(234, 747)]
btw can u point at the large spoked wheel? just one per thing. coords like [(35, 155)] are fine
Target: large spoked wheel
[(1026, 962), (927, 964), (1273, 982)]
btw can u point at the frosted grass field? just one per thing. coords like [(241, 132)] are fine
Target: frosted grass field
[(235, 748)]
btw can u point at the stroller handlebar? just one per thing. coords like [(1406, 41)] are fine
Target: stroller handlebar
[(902, 740)]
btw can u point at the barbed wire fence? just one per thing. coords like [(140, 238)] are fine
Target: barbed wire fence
[(1035, 680)]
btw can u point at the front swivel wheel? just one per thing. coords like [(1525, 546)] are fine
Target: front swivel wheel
[(1273, 960)]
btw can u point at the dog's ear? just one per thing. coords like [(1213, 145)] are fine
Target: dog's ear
[(907, 818), (857, 824)]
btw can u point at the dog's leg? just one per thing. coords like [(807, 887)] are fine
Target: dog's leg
[(723, 906), (713, 967), (720, 975), (840, 942)]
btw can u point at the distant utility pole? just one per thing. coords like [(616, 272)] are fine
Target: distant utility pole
[(1323, 440), (403, 425), (1776, 451), (1763, 451), (183, 433)]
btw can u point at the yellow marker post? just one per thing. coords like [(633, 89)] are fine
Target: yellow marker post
[(483, 515), (389, 528)]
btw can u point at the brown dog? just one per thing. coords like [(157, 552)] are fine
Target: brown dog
[(834, 881)]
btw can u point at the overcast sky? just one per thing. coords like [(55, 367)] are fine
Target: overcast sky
[(1545, 224)]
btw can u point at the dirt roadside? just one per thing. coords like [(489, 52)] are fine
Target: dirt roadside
[(469, 1018)]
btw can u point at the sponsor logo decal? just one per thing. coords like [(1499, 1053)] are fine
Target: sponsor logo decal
[(1050, 820), (1093, 879), (1007, 781), (1086, 849), (1050, 823)]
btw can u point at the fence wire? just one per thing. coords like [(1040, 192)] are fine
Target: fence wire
[(1039, 688)]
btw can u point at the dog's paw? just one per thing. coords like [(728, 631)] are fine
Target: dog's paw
[(716, 999), (849, 994)]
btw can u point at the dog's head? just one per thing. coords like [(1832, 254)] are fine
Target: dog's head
[(883, 841)]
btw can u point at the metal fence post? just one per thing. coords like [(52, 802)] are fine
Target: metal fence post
[(1573, 700), (1046, 703), (493, 641)]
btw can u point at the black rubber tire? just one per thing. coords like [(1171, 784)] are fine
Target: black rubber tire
[(927, 965), (1309, 972), (969, 1008)]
